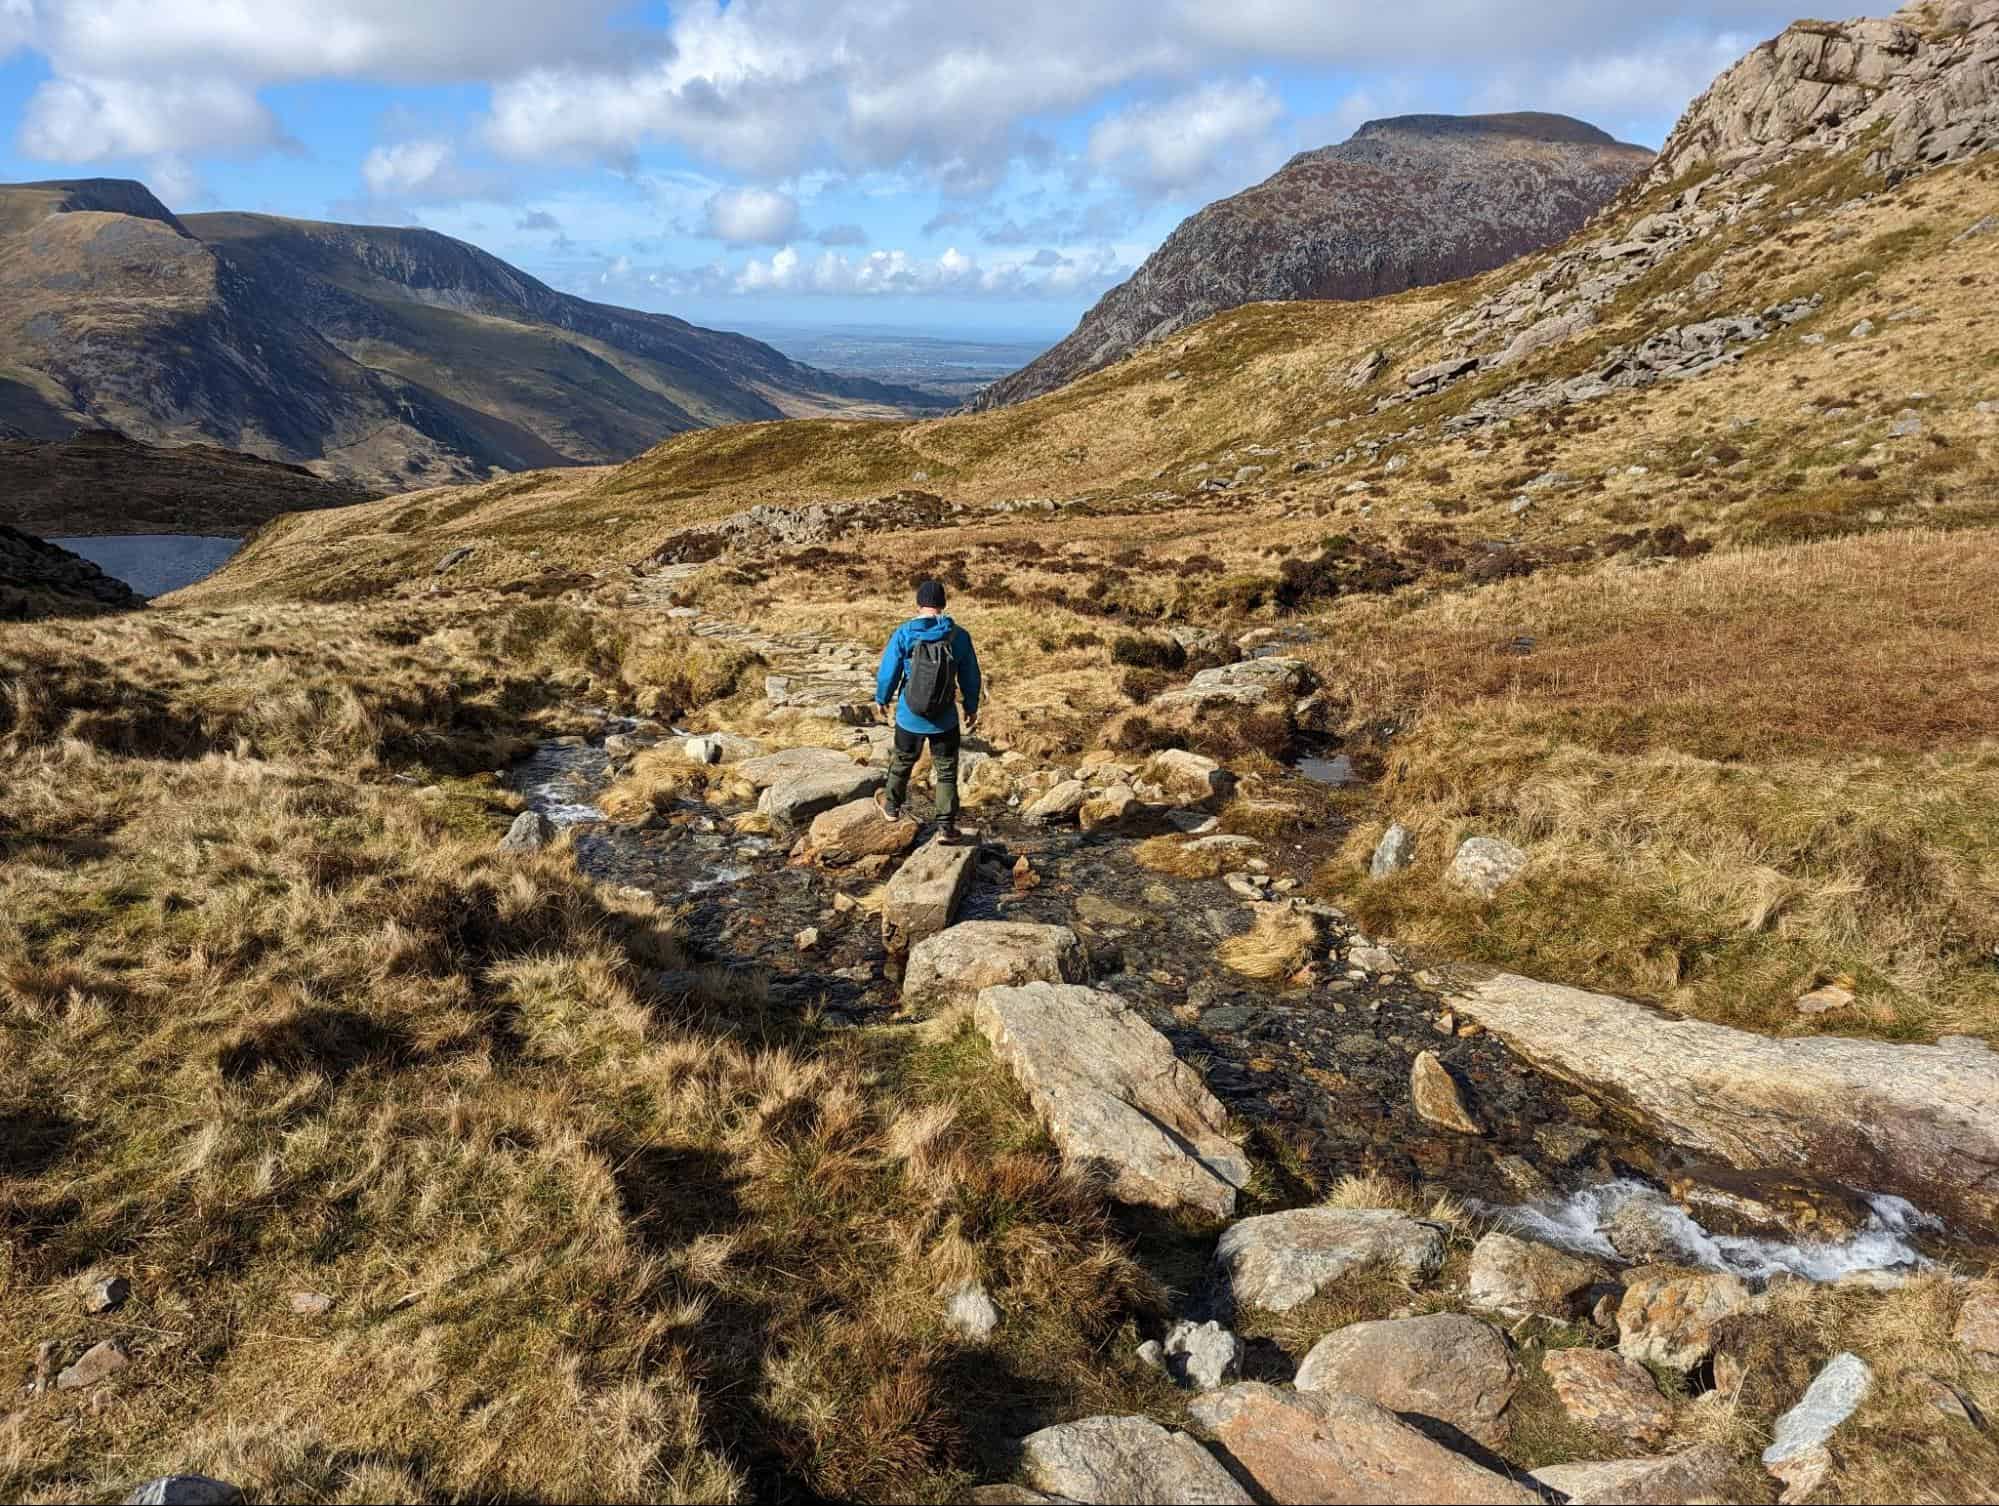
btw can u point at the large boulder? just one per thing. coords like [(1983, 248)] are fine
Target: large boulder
[(1519, 1277), (795, 800), (1918, 1121), (1059, 802), (1693, 1474), (1668, 1315), (952, 966), (923, 897), (1247, 685), (847, 833), (767, 769), (1185, 778), (530, 832), (1327, 1446), (1445, 1366), (1126, 1459), (1275, 1261), (1607, 1392), (1118, 1103)]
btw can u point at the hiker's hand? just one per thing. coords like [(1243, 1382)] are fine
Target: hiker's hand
[(971, 724), (879, 711)]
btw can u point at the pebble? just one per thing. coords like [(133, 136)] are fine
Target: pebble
[(107, 1295)]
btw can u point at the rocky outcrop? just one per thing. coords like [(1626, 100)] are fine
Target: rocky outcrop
[(38, 579), (1918, 1121), (1405, 202), (1275, 1261), (1120, 1106), (1445, 1366), (1126, 1459), (1301, 1446)]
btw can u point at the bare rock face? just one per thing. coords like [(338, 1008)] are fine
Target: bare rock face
[(1668, 1316), (1406, 202), (1306, 1446), (1610, 1393), (1126, 1459), (1691, 1475), (1117, 1101), (1519, 1277), (1447, 1366), (1927, 78), (1278, 1260), (1918, 1121)]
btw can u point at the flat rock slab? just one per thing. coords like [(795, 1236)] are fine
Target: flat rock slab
[(1304, 1446), (767, 769), (1120, 1459), (1607, 1392), (1445, 1365), (797, 799), (1691, 1475), (1278, 1260), (953, 966), (1119, 1104), (1918, 1121), (923, 897)]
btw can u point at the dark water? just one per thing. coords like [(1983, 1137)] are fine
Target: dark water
[(153, 563)]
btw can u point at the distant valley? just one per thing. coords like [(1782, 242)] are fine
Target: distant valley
[(948, 365)]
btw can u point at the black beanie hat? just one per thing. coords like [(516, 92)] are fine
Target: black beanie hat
[(931, 594)]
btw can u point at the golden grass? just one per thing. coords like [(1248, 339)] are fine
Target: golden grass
[(1277, 945), (1181, 858)]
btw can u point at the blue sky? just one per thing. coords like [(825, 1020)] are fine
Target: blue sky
[(805, 162)]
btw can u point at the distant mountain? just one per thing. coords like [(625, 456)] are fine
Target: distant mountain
[(1404, 203), (391, 358), (39, 580)]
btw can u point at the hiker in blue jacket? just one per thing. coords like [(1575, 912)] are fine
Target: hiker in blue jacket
[(929, 659)]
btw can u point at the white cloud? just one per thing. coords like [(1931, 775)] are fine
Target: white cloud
[(752, 216), (175, 183), (405, 169), (17, 25), (84, 118), (791, 271), (1176, 143)]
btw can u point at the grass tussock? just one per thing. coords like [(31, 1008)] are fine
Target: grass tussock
[(1279, 943), (1183, 858)]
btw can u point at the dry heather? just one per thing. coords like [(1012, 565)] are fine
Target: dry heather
[(594, 1226)]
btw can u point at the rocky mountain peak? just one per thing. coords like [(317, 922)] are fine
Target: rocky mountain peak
[(22, 204)]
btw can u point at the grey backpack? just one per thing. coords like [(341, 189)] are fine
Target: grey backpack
[(931, 687)]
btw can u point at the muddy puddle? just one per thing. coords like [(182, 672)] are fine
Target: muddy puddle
[(1319, 1076)]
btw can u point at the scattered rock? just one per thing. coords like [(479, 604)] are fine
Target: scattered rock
[(1434, 1093), (795, 800), (1519, 1278), (1639, 1232), (1111, 806), (1201, 1356), (1943, 1397), (1393, 853), (1126, 1459), (1825, 1000), (1120, 1106), (1187, 778), (99, 1362), (1977, 1328), (1326, 1446), (1693, 1474), (922, 899), (952, 966), (807, 940), (847, 833), (531, 832), (1446, 1366), (1485, 865), (1606, 1391), (1059, 803), (1277, 1260), (1366, 369), (1862, 330), (1373, 959), (453, 560), (107, 1295), (1668, 1316), (185, 1490), (1986, 226), (767, 769), (1797, 1453), (311, 1304), (970, 1311), (1726, 1201)]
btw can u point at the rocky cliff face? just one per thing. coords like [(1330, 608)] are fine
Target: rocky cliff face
[(1922, 85), (390, 358), (1406, 202)]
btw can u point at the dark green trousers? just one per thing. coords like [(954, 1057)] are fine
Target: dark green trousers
[(944, 767)]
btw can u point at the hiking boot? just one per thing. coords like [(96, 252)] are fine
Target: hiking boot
[(947, 831), (889, 809)]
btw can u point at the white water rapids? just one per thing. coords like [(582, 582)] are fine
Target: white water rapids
[(1576, 1222)]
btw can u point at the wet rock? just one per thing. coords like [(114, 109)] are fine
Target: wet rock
[(1639, 1232), (1797, 1453), (847, 833), (1201, 1356), (1727, 1201), (1485, 865), (1606, 1391), (1519, 1277), (1668, 1316), (1977, 1328), (952, 966), (1393, 853), (970, 1311), (1434, 1093), (1921, 1122), (1109, 807), (1277, 1260), (1058, 803), (1096, 910), (1566, 1144), (1301, 1446), (185, 1490), (1126, 1459), (795, 800), (923, 897), (98, 1363), (1187, 778), (1693, 1474), (1446, 1366), (107, 1295), (530, 832), (1120, 1106)]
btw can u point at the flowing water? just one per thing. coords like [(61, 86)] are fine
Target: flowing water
[(153, 563)]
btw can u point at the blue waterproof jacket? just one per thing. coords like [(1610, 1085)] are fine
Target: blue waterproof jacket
[(895, 663)]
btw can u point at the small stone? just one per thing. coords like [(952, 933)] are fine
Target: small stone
[(1393, 853), (1434, 1093), (1445, 1023), (705, 750), (531, 832), (807, 940), (1797, 1451), (99, 1362), (971, 1312), (453, 560), (1943, 1397), (1862, 330), (311, 1304), (1201, 1356), (107, 1295), (1375, 959), (1024, 876), (185, 1490), (1485, 865), (1977, 1328), (1826, 999), (1605, 1391)]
